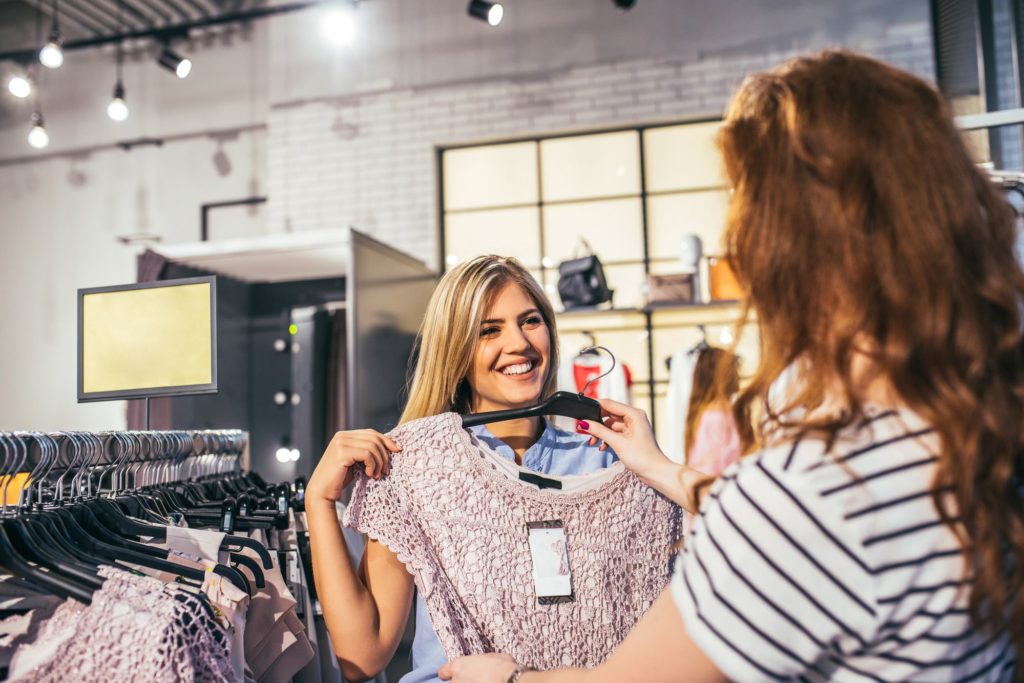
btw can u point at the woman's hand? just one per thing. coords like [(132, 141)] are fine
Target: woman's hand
[(368, 447), (628, 431), (491, 668)]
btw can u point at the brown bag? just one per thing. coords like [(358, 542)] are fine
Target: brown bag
[(677, 288), (722, 281)]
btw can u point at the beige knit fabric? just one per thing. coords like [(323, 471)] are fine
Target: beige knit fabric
[(458, 522)]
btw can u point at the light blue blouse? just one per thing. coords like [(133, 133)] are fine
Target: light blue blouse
[(557, 453)]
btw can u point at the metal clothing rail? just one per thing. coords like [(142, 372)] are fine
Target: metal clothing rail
[(72, 465)]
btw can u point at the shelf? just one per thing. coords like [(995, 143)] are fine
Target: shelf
[(655, 308)]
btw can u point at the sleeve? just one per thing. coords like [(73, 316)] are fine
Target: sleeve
[(771, 581), (381, 510)]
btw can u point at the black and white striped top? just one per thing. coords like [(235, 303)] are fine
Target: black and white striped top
[(796, 570)]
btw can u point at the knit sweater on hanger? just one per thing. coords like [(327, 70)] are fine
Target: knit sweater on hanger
[(456, 513)]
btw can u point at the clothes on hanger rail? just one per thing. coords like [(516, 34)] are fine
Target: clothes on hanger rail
[(123, 582)]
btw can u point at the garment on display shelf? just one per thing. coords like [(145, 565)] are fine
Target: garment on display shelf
[(457, 514), (135, 588)]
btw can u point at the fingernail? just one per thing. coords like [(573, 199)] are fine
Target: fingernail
[(582, 426)]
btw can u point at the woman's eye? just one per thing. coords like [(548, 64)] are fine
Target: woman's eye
[(533, 321), (489, 332)]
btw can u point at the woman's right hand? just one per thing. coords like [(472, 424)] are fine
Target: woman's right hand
[(628, 431), (367, 447)]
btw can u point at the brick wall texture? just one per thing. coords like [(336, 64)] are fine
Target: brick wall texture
[(370, 160)]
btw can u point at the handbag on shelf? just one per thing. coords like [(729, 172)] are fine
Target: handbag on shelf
[(581, 282), (674, 288), (722, 281)]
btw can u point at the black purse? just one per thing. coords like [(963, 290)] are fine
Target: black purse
[(581, 282)]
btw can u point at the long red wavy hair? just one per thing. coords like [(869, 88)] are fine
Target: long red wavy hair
[(859, 224)]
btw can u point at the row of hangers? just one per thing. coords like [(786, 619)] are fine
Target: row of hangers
[(91, 498)]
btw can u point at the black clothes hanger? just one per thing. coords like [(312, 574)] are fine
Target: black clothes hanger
[(564, 403)]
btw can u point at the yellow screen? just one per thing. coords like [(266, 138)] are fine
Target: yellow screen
[(146, 338)]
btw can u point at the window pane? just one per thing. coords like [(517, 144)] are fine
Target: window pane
[(506, 232), (613, 228), (671, 216), (682, 157), (590, 166), (495, 175)]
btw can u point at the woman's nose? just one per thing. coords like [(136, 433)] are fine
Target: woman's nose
[(516, 341)]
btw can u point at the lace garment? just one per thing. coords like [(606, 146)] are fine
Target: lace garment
[(134, 630), (452, 514)]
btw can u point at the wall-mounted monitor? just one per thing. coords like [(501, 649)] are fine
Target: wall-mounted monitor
[(148, 339)]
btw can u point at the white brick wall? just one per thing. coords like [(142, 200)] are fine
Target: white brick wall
[(370, 160)]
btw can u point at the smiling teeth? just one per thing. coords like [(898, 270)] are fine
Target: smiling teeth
[(520, 369)]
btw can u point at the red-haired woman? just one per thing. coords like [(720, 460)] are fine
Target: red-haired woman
[(875, 530)]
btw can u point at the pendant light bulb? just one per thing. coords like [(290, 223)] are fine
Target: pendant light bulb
[(19, 86), (52, 54), (117, 110), (339, 25), (37, 136)]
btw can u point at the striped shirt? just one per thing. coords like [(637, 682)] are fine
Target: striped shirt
[(810, 566)]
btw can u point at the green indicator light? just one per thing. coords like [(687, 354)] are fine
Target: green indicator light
[(293, 329)]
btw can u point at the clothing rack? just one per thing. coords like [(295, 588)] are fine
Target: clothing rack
[(71, 465)]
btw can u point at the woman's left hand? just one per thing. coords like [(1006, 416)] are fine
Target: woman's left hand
[(490, 668)]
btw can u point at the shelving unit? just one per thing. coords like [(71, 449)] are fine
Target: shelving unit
[(632, 193)]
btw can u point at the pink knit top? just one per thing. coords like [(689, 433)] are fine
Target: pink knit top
[(455, 513)]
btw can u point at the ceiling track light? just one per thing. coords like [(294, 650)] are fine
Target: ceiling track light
[(37, 135), (175, 63), (491, 12), (52, 54)]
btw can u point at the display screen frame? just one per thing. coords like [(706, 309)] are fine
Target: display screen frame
[(157, 391)]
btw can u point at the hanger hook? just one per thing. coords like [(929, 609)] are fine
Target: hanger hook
[(603, 374)]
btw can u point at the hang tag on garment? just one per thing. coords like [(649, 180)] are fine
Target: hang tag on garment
[(228, 513), (552, 576)]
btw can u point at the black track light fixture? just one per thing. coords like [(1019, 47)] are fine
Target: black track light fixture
[(491, 12), (175, 63), (624, 4)]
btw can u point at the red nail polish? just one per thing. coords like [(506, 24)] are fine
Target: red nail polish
[(582, 425)]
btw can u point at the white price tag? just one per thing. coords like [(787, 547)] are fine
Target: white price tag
[(552, 576)]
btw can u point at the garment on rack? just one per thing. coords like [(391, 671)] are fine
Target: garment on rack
[(677, 403), (455, 513), (575, 372), (134, 630), (716, 445)]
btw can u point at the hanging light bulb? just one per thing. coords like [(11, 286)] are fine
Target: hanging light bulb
[(38, 137), (339, 25), (19, 86), (117, 110), (52, 54)]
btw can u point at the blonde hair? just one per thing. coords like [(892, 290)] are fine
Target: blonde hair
[(451, 329)]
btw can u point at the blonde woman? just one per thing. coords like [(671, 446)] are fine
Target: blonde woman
[(488, 342)]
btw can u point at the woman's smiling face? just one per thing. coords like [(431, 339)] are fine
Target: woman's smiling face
[(512, 353)]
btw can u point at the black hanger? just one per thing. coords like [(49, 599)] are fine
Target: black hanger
[(564, 403)]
